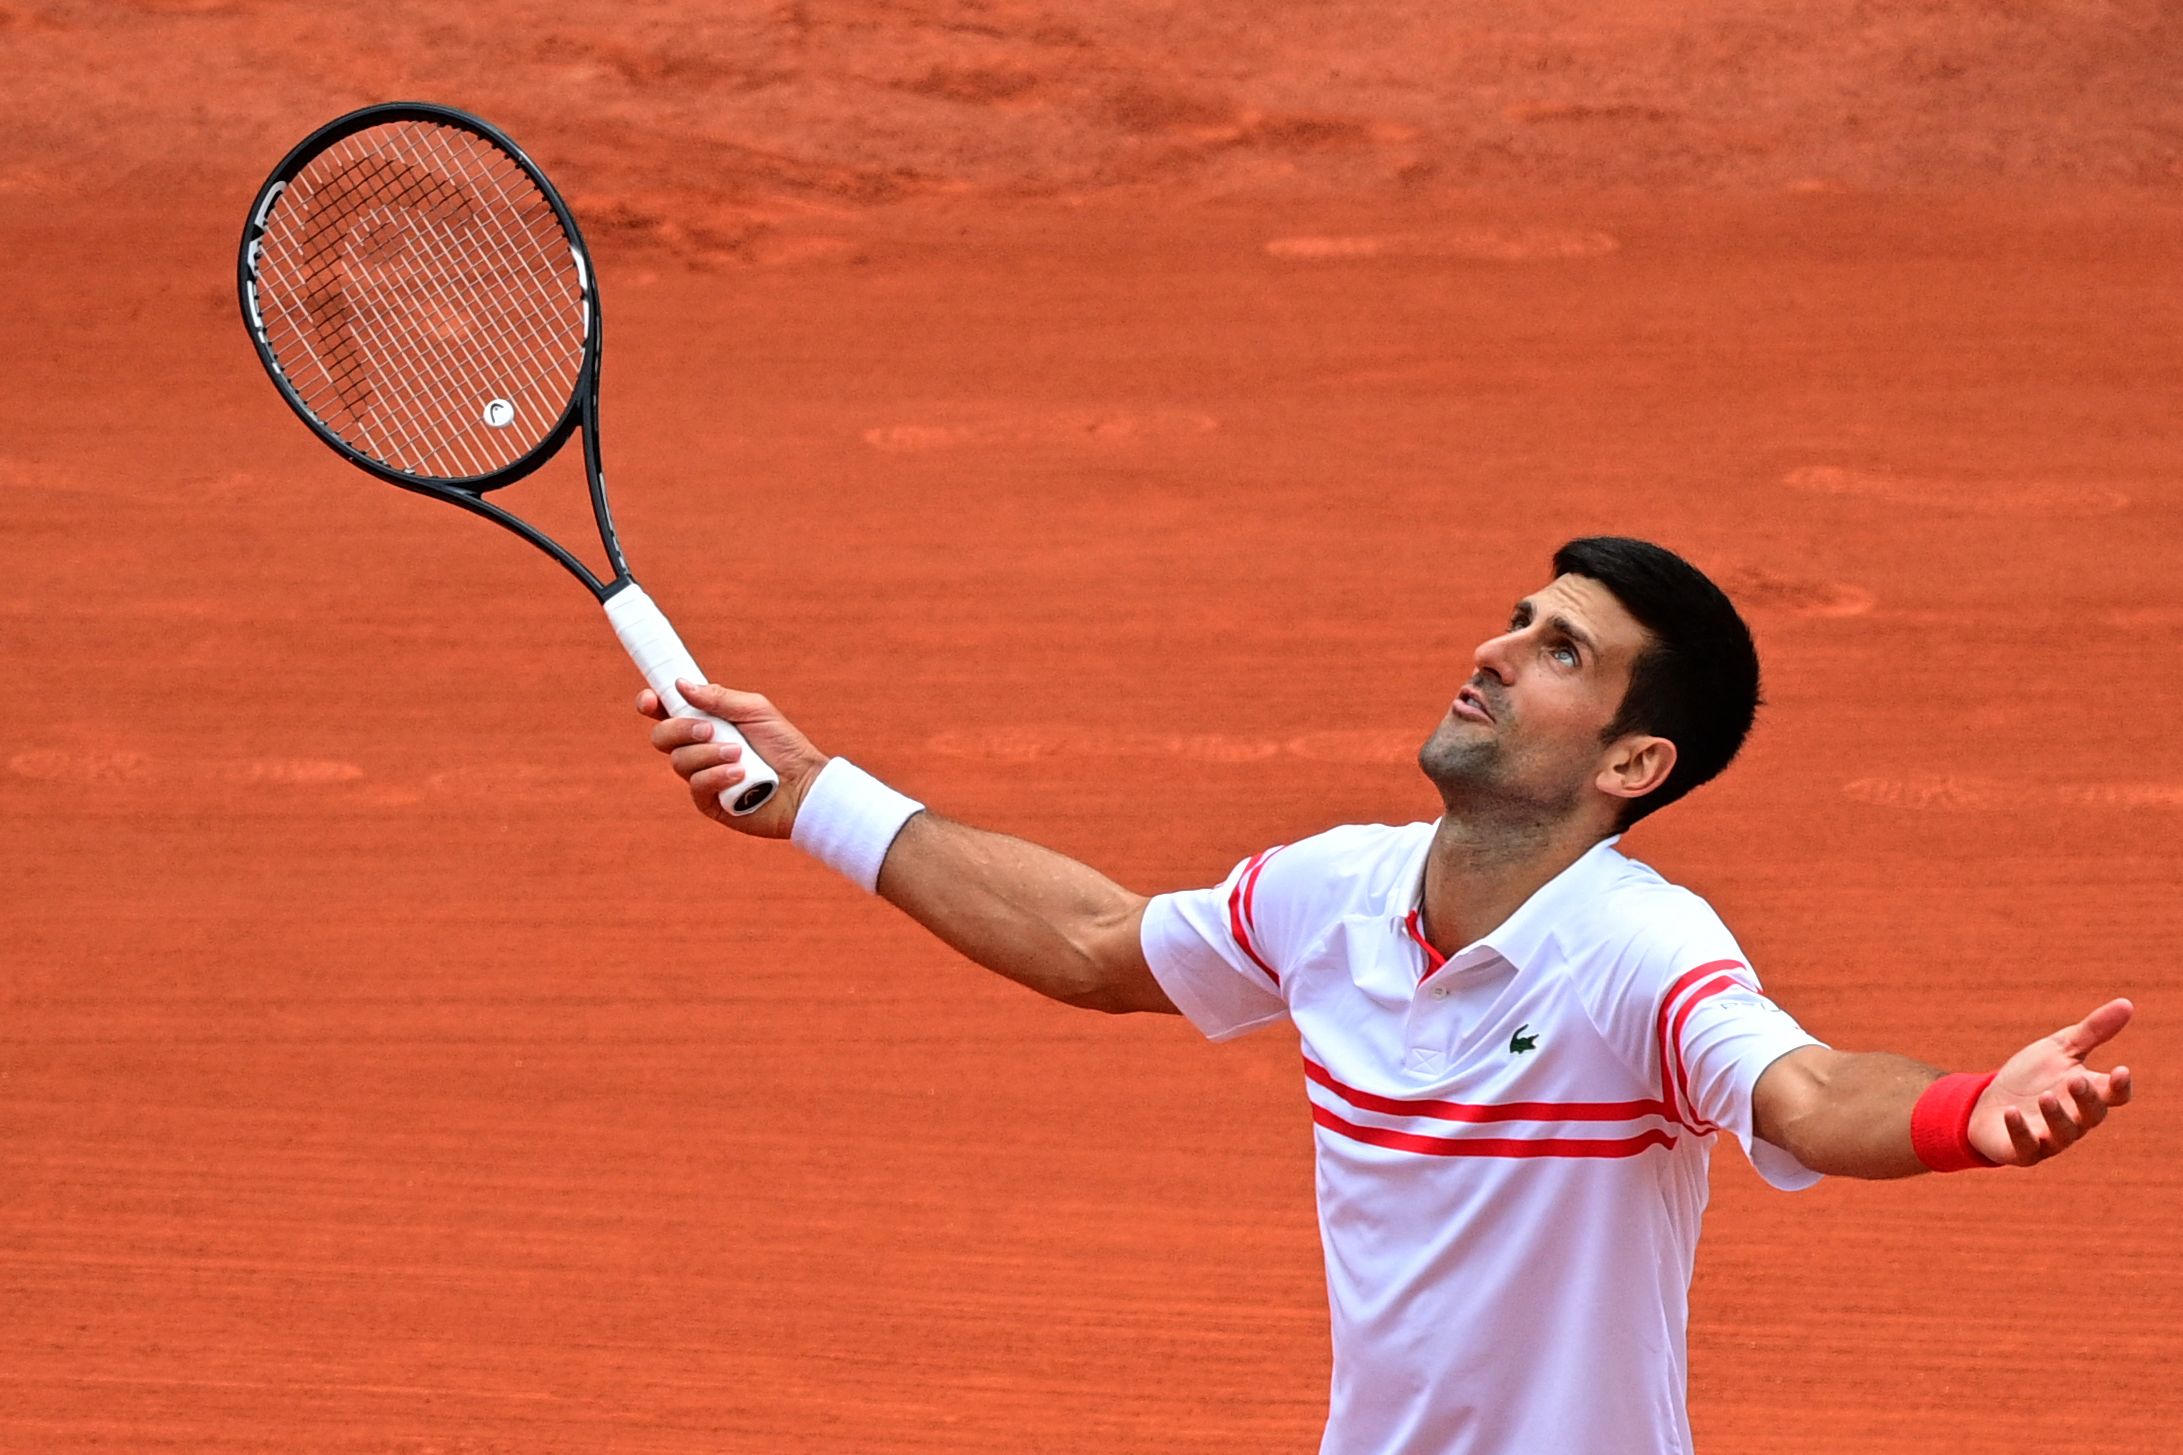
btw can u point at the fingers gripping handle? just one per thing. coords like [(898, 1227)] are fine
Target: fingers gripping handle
[(661, 657)]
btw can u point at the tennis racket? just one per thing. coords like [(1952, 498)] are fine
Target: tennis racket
[(422, 299)]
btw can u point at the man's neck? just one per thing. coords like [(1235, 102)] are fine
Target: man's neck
[(1478, 874)]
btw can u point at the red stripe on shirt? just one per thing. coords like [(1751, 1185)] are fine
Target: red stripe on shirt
[(1250, 887), (1669, 1048), (1433, 958), (1492, 1146), (1682, 1072), (1500, 1111), (1237, 927)]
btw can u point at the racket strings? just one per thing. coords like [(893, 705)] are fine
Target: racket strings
[(400, 320), (414, 322), (338, 332), (423, 300), (417, 323)]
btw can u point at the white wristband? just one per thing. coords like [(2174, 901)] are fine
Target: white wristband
[(849, 820)]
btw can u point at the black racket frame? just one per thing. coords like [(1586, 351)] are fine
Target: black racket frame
[(467, 493)]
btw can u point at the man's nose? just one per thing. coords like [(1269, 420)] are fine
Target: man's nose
[(1494, 659)]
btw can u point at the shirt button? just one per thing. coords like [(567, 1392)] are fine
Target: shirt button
[(1440, 992)]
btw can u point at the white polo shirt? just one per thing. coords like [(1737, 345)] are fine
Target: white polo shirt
[(1511, 1143)]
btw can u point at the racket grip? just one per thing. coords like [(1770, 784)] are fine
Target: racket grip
[(661, 657)]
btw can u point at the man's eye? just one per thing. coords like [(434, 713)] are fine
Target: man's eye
[(1567, 654)]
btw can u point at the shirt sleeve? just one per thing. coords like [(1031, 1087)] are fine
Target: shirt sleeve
[(1724, 1033), (1217, 952)]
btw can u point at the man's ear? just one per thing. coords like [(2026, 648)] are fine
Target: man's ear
[(1635, 765)]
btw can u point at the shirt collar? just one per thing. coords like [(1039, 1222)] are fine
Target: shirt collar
[(1523, 938)]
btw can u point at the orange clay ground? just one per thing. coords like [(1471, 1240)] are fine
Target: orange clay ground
[(1115, 425)]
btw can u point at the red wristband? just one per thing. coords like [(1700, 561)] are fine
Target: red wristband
[(1940, 1124)]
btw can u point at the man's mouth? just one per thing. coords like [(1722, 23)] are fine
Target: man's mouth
[(1469, 704)]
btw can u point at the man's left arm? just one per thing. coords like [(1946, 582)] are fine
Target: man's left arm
[(1878, 1115)]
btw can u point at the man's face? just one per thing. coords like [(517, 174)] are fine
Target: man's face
[(1525, 728)]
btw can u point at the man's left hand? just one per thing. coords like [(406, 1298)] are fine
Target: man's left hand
[(2044, 1099)]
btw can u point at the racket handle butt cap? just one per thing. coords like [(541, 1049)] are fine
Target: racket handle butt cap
[(661, 657)]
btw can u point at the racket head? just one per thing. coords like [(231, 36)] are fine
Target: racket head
[(422, 298)]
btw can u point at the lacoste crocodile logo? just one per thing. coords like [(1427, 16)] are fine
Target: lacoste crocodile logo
[(1519, 1043)]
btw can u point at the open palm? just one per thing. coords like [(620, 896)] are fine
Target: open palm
[(2044, 1099)]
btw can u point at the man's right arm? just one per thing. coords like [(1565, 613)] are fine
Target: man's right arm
[(1040, 918)]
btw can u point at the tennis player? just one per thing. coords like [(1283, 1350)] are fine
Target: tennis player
[(1519, 1043)]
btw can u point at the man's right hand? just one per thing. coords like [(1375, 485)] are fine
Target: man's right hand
[(709, 768)]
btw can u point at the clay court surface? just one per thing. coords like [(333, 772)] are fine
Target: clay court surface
[(1116, 427)]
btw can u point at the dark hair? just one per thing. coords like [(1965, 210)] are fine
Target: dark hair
[(1696, 683)]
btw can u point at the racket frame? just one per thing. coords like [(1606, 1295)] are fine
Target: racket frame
[(464, 492)]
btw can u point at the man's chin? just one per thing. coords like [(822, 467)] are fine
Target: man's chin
[(1456, 758)]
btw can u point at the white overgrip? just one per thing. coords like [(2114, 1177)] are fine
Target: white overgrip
[(661, 657)]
